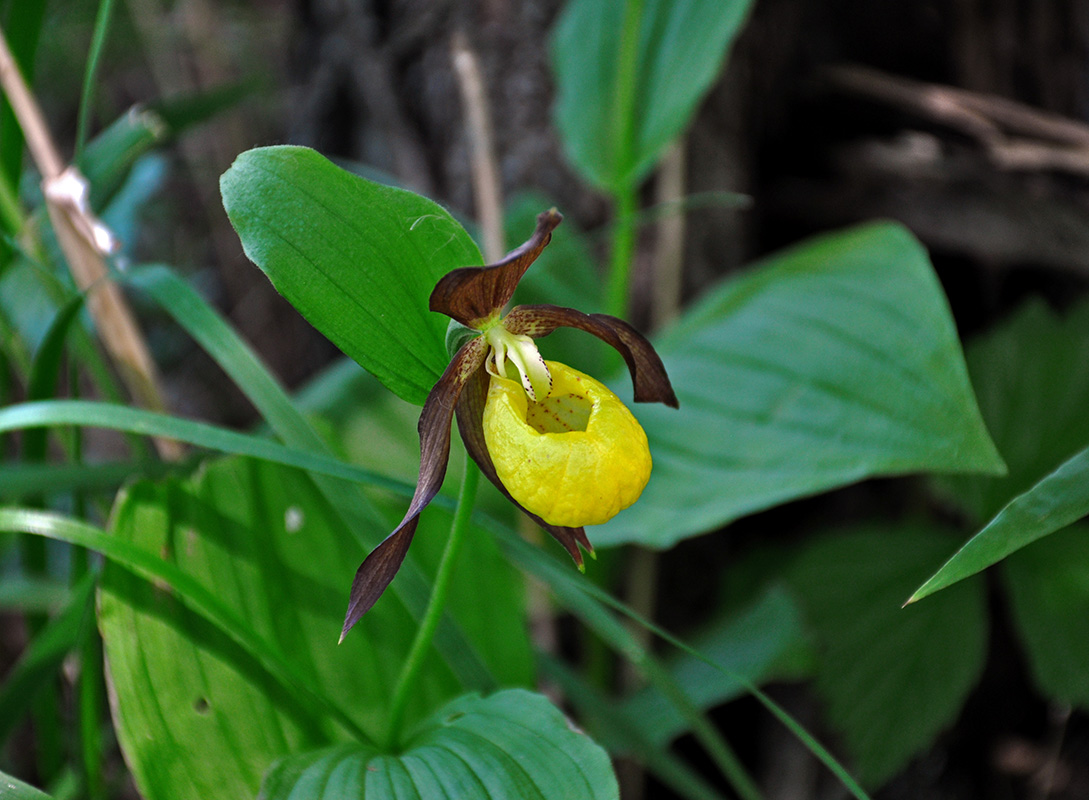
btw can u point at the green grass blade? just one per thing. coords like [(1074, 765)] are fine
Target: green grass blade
[(188, 591), (14, 789), (19, 481), (23, 29), (90, 75), (27, 594), (614, 728), (40, 661), (89, 413), (45, 371), (1058, 500)]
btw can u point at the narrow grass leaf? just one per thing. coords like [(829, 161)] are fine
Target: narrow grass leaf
[(90, 73), (1060, 499), (89, 413), (37, 667), (14, 789), (621, 733)]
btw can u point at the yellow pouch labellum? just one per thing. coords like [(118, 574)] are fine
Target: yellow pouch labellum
[(577, 457)]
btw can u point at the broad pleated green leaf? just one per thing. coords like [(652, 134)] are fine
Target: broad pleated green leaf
[(1049, 594), (891, 678), (831, 362), (513, 744), (357, 259), (680, 49), (195, 715)]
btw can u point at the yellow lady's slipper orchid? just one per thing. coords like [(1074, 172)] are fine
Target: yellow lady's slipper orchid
[(559, 444), (576, 457)]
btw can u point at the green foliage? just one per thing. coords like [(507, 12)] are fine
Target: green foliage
[(831, 362), (1048, 587), (766, 641), (357, 259), (14, 789), (1031, 368), (197, 716), (1058, 500), (629, 76), (892, 678), (1033, 388), (38, 666), (511, 744)]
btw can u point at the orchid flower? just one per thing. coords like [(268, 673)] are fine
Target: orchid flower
[(560, 445)]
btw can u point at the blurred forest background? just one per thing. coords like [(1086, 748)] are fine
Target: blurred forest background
[(966, 120), (824, 116)]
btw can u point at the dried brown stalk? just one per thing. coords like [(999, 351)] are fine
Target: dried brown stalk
[(1015, 136), (85, 242)]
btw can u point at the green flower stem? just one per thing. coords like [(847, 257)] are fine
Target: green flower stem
[(617, 292), (624, 189), (435, 606), (624, 110)]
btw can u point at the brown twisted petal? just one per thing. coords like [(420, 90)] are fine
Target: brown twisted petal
[(648, 375), (473, 294), (470, 413), (379, 567)]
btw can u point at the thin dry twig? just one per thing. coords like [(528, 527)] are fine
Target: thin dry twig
[(478, 124), (669, 249), (1014, 135), (85, 242)]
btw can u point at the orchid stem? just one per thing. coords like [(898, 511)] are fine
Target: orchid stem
[(622, 254), (625, 186), (417, 655)]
